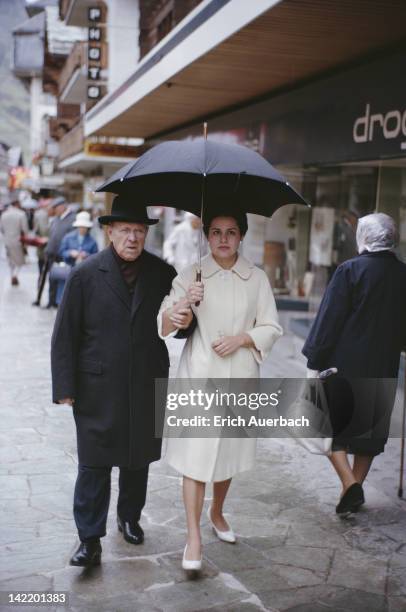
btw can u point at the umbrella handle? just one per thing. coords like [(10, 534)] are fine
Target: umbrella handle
[(198, 279)]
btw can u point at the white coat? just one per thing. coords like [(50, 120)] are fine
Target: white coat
[(235, 301), (181, 248), (13, 223)]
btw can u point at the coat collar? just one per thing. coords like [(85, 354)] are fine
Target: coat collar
[(116, 281), (242, 267), (384, 253), (113, 277)]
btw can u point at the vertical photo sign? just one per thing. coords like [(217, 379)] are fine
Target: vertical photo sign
[(96, 52)]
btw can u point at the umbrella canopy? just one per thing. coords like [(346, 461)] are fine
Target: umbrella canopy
[(174, 173)]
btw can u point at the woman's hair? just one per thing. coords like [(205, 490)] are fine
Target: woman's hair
[(239, 217), (376, 232)]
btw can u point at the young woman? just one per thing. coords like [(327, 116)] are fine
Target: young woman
[(237, 325)]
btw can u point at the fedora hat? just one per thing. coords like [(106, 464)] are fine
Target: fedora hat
[(123, 209), (83, 220)]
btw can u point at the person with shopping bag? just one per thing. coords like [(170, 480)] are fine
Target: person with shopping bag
[(360, 329)]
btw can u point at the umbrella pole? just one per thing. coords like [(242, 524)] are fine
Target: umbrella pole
[(199, 270), (402, 444)]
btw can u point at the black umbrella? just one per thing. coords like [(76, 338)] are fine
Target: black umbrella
[(195, 175), (174, 172)]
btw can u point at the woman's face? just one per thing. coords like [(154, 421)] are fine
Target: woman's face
[(224, 237)]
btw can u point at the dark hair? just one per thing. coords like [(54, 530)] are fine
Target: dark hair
[(239, 217)]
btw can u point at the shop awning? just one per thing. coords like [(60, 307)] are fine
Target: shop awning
[(86, 164), (240, 52)]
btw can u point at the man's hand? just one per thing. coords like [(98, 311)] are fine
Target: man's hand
[(181, 314), (74, 253), (68, 400)]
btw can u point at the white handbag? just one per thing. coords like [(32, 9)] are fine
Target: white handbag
[(311, 403)]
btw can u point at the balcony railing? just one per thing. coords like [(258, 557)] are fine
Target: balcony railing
[(72, 142), (59, 126), (76, 59)]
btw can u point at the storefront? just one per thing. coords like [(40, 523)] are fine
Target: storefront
[(341, 141), (330, 113)]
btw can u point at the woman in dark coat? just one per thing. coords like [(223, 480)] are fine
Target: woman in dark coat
[(360, 329)]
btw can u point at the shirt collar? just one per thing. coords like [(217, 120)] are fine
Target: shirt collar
[(65, 214), (242, 267)]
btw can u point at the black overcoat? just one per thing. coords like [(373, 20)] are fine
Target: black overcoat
[(360, 329), (106, 353)]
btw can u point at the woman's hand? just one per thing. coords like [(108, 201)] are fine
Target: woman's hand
[(227, 345), (195, 293)]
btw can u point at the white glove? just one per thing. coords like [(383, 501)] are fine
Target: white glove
[(312, 373)]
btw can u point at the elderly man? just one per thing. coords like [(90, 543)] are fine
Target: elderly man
[(13, 224), (106, 353)]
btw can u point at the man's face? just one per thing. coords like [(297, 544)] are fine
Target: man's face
[(128, 238), (59, 210)]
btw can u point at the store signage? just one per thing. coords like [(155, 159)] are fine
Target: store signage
[(94, 92), (110, 149), (93, 73), (357, 115), (94, 34), (94, 54), (95, 38), (390, 125), (94, 13)]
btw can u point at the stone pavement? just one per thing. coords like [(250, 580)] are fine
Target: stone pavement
[(292, 552)]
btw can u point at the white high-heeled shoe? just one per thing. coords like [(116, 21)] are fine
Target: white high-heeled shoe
[(225, 536), (191, 564)]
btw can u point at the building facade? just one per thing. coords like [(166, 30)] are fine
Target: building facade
[(313, 86)]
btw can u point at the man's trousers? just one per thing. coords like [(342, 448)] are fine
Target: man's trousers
[(92, 498)]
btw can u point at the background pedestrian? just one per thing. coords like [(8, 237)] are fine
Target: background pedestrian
[(181, 248), (61, 225), (14, 225), (76, 246)]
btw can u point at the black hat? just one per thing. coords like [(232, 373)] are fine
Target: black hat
[(123, 209)]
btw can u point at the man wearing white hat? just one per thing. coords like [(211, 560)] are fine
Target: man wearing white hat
[(76, 246)]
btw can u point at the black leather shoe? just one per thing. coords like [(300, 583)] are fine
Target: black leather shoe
[(132, 532), (351, 501), (88, 554)]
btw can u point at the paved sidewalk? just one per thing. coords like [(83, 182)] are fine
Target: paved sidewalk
[(292, 552)]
